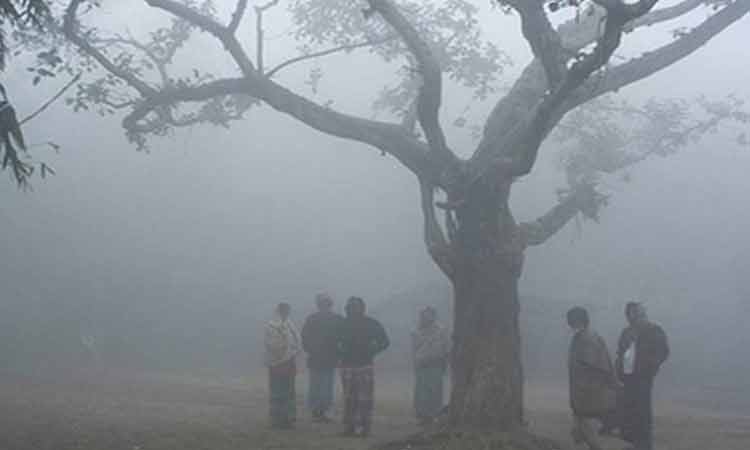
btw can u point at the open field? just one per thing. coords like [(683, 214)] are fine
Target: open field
[(114, 412)]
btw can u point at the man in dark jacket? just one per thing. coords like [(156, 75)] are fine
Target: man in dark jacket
[(319, 341), (360, 339), (641, 351)]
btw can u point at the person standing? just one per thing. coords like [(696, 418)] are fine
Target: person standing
[(319, 341), (282, 344), (431, 346), (361, 339), (641, 351), (591, 377)]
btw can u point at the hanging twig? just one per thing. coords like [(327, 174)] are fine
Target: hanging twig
[(52, 100)]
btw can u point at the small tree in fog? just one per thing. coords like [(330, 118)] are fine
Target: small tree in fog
[(469, 229)]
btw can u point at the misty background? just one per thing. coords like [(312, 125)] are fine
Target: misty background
[(171, 259)]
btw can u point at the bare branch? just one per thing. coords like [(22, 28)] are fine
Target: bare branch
[(330, 51), (544, 40), (430, 93), (52, 100), (222, 33), (159, 63), (260, 38), (239, 12), (70, 30)]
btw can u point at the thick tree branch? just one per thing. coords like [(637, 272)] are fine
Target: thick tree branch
[(667, 14), (532, 85), (223, 33), (654, 61), (430, 93), (70, 30), (237, 15), (526, 137), (546, 44), (584, 199), (387, 137)]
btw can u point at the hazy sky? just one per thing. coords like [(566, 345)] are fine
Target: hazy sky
[(221, 220)]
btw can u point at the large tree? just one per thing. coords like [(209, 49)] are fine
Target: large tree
[(479, 246)]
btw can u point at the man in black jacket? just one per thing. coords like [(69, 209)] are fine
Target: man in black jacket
[(641, 351), (319, 341), (360, 339)]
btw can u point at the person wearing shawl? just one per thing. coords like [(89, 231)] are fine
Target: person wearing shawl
[(592, 379), (431, 346), (641, 351), (282, 344)]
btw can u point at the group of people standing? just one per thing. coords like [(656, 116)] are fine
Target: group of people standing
[(349, 344), (618, 395)]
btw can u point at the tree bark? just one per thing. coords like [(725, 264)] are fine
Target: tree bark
[(487, 370)]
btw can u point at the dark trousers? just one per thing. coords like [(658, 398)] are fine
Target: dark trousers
[(638, 418)]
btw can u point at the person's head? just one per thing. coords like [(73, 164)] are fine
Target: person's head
[(355, 307), (427, 317), (635, 312), (284, 310), (578, 318), (324, 302)]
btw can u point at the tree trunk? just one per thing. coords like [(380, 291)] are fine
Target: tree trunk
[(487, 371)]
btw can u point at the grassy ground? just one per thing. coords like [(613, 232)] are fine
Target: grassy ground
[(112, 412)]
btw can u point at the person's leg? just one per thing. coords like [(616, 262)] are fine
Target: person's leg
[(366, 400), (277, 400), (612, 421), (349, 393), (584, 430), (648, 413), (313, 392), (327, 377), (642, 414), (630, 411), (436, 392), (291, 398), (419, 394)]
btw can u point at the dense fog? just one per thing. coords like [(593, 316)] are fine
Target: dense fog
[(170, 259)]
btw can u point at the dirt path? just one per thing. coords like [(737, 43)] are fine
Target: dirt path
[(160, 413)]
